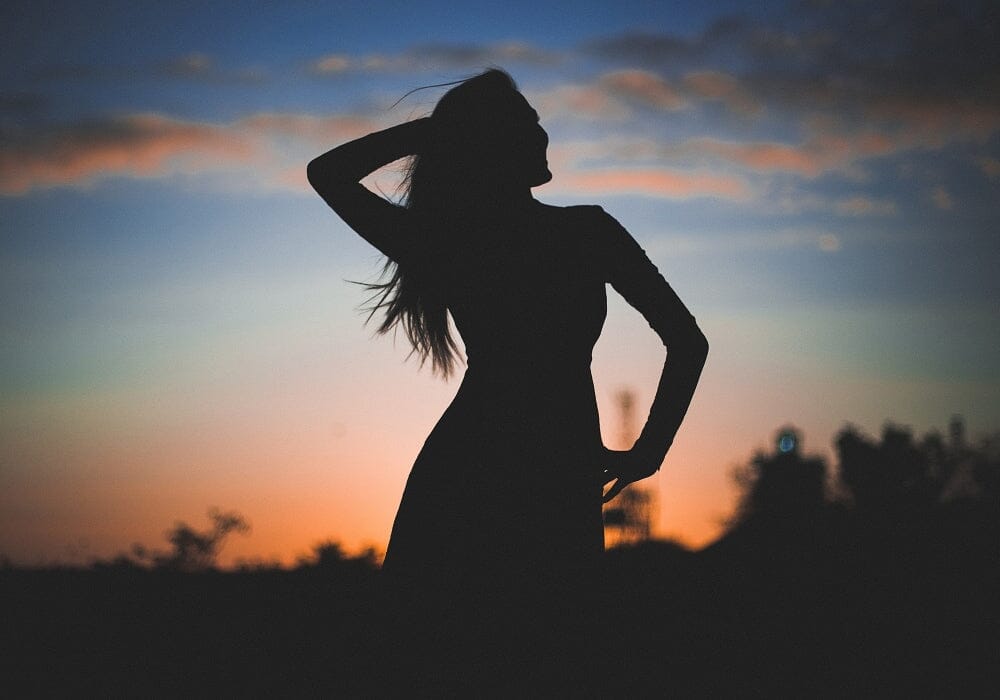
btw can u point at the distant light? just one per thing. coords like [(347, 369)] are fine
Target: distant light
[(829, 242), (786, 443)]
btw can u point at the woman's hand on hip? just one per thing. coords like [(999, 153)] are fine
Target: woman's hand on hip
[(624, 467)]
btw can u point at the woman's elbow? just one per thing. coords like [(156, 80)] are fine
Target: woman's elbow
[(692, 343), (697, 343), (700, 344), (323, 176), (315, 173)]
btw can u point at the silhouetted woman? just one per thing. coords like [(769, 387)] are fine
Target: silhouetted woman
[(506, 493)]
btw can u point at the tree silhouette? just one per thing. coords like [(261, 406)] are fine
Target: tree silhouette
[(782, 486), (195, 550), (330, 556), (894, 474)]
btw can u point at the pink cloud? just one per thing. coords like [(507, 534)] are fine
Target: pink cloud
[(331, 64), (714, 85), (865, 206), (141, 145), (436, 57), (578, 102), (764, 156), (990, 167), (611, 96), (153, 145), (670, 184), (328, 130), (942, 198), (643, 87)]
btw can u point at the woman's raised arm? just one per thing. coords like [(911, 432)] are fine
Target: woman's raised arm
[(336, 176), (636, 278)]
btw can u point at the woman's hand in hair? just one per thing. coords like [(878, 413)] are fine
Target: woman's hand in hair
[(624, 468)]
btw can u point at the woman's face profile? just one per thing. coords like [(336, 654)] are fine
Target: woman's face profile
[(514, 142), (529, 143)]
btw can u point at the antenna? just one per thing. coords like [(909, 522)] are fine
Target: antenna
[(628, 519)]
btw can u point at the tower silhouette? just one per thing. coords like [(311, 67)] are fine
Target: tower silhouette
[(629, 518)]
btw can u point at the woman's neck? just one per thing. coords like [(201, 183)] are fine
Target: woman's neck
[(502, 200)]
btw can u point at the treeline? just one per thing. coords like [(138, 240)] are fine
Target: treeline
[(875, 576), (899, 491)]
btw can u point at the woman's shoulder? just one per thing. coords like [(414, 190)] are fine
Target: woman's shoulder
[(572, 209), (587, 233), (587, 221), (591, 217)]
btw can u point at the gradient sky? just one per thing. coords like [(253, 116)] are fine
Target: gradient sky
[(817, 180)]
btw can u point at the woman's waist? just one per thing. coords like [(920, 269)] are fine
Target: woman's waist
[(553, 402), (527, 388), (516, 366)]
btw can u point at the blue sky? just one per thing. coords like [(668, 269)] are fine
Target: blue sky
[(818, 181)]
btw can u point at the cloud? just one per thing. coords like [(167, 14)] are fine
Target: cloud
[(473, 55), (990, 167), (737, 243), (22, 104), (195, 66), (201, 67), (942, 198), (155, 145), (141, 145), (642, 87), (614, 94), (763, 156), (928, 76), (865, 206), (575, 101), (818, 155), (611, 96), (656, 49), (331, 64), (722, 87), (791, 199), (654, 182), (315, 129), (828, 242), (438, 56), (827, 147)]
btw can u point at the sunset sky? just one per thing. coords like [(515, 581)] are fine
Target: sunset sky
[(819, 182)]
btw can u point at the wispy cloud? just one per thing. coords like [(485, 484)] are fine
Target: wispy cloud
[(929, 77), (201, 67), (658, 48), (654, 182), (942, 198), (21, 104), (155, 145), (610, 96), (277, 145), (990, 166), (865, 206), (672, 244), (435, 57), (711, 85), (195, 66), (141, 145), (642, 87), (793, 200)]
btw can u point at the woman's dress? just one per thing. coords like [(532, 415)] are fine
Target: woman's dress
[(508, 484)]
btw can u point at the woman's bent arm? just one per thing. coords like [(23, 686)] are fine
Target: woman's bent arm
[(336, 176), (638, 281)]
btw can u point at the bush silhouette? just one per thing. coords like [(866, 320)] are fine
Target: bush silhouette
[(195, 550)]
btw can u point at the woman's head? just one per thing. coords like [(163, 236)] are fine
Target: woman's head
[(485, 138)]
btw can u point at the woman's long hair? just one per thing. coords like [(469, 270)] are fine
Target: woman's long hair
[(443, 185)]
